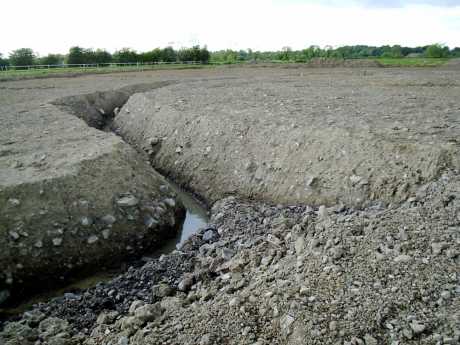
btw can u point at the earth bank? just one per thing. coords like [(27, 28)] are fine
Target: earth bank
[(74, 199), (291, 141), (304, 275)]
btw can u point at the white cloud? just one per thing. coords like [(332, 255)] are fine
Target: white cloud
[(49, 26)]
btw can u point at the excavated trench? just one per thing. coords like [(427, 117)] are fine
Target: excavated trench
[(98, 110)]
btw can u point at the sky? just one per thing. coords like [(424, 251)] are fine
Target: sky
[(51, 26)]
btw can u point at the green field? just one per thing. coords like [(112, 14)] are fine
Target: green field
[(71, 71), (412, 62)]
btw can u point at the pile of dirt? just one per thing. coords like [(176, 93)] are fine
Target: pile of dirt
[(293, 142), (75, 199), (264, 274)]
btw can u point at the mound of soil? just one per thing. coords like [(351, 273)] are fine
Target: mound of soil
[(75, 199), (295, 140), (264, 274)]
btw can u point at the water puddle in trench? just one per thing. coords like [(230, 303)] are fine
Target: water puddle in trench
[(196, 218)]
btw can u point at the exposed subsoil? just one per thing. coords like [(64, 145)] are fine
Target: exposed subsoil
[(363, 249)]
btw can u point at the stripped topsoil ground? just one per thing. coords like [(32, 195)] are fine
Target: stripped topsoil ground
[(335, 217)]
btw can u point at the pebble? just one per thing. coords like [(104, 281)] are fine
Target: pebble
[(337, 252), (148, 312), (4, 295), (109, 219), (86, 221), (438, 247), (14, 235), (57, 241), (161, 290), (234, 302), (333, 326), (299, 245), (135, 305), (106, 234), (417, 328), (209, 235), (402, 258), (407, 333), (286, 323), (370, 340), (154, 141), (322, 212), (227, 254), (185, 284), (92, 239), (170, 202), (127, 201), (445, 294), (150, 222), (123, 341), (14, 202)]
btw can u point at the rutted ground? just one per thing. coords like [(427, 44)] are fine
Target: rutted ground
[(265, 274)]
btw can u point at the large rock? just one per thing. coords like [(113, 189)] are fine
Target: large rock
[(72, 198)]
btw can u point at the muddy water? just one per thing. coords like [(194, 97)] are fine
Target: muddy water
[(196, 218)]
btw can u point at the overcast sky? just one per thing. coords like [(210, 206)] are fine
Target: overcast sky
[(51, 26)]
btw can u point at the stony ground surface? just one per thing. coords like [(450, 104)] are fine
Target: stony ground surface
[(379, 272), (262, 274), (302, 136)]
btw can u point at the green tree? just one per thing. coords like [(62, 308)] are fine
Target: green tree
[(51, 59), (204, 55), (22, 57), (101, 56), (3, 62), (396, 51), (436, 51), (168, 54), (76, 55), (195, 54), (225, 56), (125, 55), (151, 56), (285, 54)]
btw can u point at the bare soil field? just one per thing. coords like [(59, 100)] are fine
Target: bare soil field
[(335, 197)]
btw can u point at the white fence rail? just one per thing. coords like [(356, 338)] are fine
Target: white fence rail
[(97, 65)]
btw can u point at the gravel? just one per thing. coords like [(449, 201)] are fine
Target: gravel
[(289, 275)]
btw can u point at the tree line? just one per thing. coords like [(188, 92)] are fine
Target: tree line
[(79, 55), (345, 52)]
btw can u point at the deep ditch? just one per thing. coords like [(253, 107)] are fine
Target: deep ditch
[(98, 111)]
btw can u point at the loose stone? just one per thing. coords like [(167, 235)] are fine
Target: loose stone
[(92, 239), (127, 201)]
